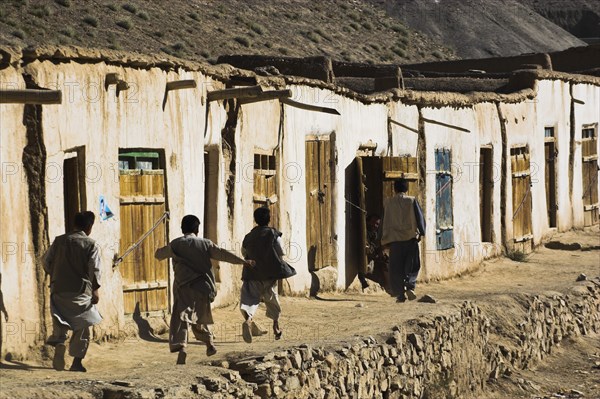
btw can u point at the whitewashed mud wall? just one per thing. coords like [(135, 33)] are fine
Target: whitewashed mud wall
[(554, 110), (487, 128), (464, 152), (520, 123), (19, 284), (404, 141), (217, 118)]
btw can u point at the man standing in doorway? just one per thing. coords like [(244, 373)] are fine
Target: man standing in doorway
[(73, 263), (403, 227), (263, 244), (194, 288)]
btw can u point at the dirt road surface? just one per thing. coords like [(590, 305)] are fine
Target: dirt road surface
[(338, 317)]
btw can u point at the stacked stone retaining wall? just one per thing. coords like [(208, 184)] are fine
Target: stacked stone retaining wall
[(452, 355)]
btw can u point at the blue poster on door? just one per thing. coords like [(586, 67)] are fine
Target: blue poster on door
[(105, 212)]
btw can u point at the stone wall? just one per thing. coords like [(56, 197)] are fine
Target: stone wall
[(451, 355)]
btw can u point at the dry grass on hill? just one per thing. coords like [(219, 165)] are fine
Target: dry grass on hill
[(203, 30)]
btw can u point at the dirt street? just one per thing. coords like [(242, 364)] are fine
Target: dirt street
[(336, 317)]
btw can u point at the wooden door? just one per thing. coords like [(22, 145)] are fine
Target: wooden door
[(320, 241), (486, 186), (379, 176), (265, 185), (400, 167), (589, 152), (550, 156), (521, 194), (142, 204), (211, 187), (376, 176), (362, 179), (443, 200), (73, 190)]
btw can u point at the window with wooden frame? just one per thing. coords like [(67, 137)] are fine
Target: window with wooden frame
[(443, 199), (589, 153), (138, 160), (521, 193), (265, 185)]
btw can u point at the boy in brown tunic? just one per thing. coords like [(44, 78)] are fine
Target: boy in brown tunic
[(194, 287), (73, 263)]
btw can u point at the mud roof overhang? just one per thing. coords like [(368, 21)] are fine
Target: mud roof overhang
[(523, 82)]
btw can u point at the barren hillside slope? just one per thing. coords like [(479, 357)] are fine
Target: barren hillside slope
[(358, 30), (482, 28), (579, 17), (205, 29)]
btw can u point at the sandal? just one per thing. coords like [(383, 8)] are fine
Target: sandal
[(210, 350), (58, 363), (181, 356), (246, 331)]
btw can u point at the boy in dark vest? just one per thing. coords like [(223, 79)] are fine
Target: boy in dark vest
[(264, 246), (403, 227)]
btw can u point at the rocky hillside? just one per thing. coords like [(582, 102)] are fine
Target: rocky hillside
[(205, 29), (482, 28), (581, 18), (378, 31)]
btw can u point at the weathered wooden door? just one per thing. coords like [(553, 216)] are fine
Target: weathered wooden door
[(73, 189), (142, 204), (400, 167), (550, 169), (361, 179), (521, 194), (320, 240), (443, 200), (589, 152), (486, 185), (265, 185), (379, 174), (376, 176)]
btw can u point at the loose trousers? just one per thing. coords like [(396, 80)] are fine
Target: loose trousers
[(404, 266), (79, 342)]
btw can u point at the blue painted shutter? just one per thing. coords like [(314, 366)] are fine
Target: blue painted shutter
[(443, 200)]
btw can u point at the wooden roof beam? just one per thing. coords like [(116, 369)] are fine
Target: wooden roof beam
[(181, 84), (267, 96), (238, 92), (30, 96), (309, 107), (462, 129), (393, 122)]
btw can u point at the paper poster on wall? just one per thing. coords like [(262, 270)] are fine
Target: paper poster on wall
[(105, 212)]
